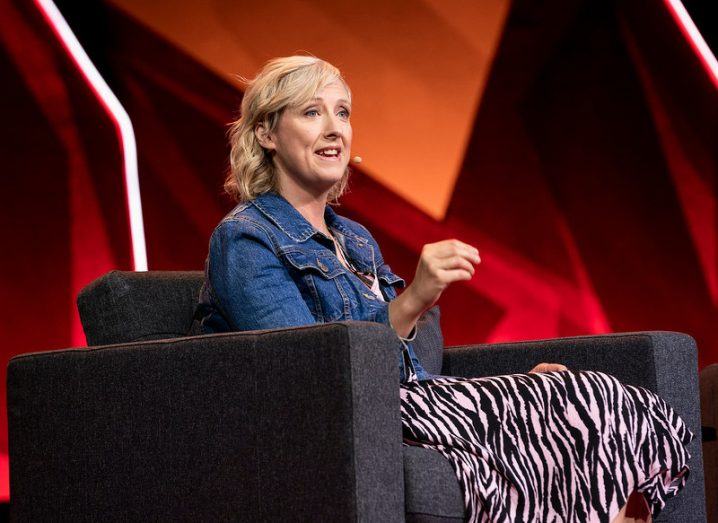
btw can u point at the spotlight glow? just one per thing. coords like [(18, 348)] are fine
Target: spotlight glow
[(695, 38), (122, 122)]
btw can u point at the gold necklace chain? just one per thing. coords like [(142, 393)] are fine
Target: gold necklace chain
[(348, 264)]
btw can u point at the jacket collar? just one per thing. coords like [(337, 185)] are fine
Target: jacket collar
[(283, 214)]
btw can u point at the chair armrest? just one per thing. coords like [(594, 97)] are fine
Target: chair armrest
[(663, 362), (299, 423)]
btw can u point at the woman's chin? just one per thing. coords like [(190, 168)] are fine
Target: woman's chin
[(317, 182)]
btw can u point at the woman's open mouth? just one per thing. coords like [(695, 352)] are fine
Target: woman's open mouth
[(330, 154)]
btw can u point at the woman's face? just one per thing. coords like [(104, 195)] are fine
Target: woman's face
[(312, 142)]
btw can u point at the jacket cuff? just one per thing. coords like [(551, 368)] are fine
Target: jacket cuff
[(412, 334), (383, 317)]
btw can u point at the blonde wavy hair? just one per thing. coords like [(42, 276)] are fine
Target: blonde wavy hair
[(283, 82)]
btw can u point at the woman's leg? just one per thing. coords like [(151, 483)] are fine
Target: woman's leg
[(549, 443)]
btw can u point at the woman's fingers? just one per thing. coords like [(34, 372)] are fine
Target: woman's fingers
[(548, 367), (455, 262), (448, 261), (451, 248), (441, 264), (458, 275)]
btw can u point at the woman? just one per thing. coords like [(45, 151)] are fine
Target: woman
[(283, 258)]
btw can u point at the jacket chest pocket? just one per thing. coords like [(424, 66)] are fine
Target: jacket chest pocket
[(319, 276)]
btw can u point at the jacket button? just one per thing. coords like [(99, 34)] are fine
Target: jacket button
[(322, 266), (370, 296)]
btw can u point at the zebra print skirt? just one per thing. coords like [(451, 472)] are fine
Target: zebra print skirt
[(556, 446)]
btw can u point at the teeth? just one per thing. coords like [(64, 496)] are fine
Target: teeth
[(329, 152)]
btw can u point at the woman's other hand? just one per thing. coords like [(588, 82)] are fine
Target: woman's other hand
[(548, 367)]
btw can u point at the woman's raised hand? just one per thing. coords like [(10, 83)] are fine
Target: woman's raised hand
[(440, 264)]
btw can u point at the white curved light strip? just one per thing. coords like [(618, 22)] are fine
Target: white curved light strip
[(122, 121), (694, 36)]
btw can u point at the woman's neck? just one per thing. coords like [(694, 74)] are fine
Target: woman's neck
[(309, 206)]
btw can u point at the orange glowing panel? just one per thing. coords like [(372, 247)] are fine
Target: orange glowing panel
[(417, 70)]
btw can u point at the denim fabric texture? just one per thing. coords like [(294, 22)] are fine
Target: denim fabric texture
[(268, 268)]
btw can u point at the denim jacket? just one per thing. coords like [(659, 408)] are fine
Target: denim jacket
[(268, 267)]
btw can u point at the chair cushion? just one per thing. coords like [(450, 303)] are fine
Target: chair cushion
[(124, 306), (431, 490)]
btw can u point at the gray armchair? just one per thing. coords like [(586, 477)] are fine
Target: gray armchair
[(278, 425)]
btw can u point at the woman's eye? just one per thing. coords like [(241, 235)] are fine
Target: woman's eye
[(344, 113), (311, 112)]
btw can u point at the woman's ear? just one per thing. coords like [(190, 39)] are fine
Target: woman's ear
[(264, 137)]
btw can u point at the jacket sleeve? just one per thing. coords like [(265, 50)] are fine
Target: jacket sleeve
[(250, 284), (383, 317)]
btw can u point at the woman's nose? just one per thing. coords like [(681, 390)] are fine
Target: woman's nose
[(333, 126)]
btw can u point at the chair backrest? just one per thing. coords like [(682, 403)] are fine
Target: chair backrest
[(123, 306)]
